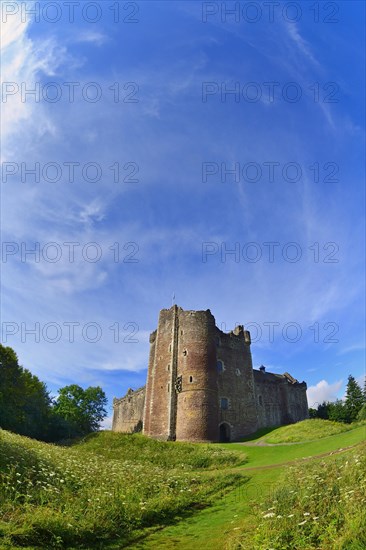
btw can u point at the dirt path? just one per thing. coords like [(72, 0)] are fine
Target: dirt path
[(297, 460)]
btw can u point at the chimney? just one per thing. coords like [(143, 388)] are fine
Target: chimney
[(262, 368)]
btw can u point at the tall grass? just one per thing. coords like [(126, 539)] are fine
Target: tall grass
[(143, 450), (107, 487), (319, 506)]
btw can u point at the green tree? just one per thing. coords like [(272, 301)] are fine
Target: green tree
[(25, 404), (354, 399), (337, 411), (10, 389), (362, 413), (323, 411), (313, 413), (82, 410)]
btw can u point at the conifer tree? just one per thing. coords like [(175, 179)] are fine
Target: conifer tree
[(354, 399)]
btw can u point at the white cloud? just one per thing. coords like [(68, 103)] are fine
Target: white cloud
[(302, 45), (323, 391), (106, 424), (93, 37), (23, 61)]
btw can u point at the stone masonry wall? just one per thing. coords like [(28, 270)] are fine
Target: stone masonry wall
[(279, 401), (236, 383), (159, 381), (128, 411), (197, 406)]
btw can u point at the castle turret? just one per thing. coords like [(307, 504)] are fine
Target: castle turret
[(160, 408), (197, 404)]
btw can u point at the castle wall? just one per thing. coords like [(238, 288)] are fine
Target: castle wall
[(236, 383), (159, 383), (279, 401), (128, 412), (297, 403), (270, 400), (197, 403), (149, 383)]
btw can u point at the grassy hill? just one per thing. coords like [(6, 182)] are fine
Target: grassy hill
[(307, 430), (112, 490), (108, 486)]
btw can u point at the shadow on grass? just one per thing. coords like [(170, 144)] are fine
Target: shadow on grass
[(138, 537), (120, 538), (258, 434)]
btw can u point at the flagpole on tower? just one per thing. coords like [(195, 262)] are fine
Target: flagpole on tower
[(173, 299)]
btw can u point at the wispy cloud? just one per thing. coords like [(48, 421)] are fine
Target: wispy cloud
[(302, 45), (92, 36)]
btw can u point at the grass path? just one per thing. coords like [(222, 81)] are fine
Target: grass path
[(304, 459), (210, 528)]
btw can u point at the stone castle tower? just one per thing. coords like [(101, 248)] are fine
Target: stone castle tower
[(201, 385)]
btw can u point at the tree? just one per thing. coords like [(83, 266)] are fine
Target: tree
[(362, 413), (337, 411), (354, 399), (83, 410), (323, 410), (10, 389), (25, 404), (313, 413)]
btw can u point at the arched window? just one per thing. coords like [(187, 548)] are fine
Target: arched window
[(218, 341), (191, 378), (260, 400), (220, 366)]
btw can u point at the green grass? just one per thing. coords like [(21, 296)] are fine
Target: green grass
[(307, 430), (142, 450), (220, 526), (114, 491), (265, 456), (110, 486), (320, 505)]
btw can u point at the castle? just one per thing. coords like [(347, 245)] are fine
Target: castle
[(201, 385)]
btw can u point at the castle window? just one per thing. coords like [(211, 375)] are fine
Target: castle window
[(237, 372), (224, 404), (170, 347), (168, 387), (168, 368), (191, 378), (218, 341), (181, 332), (185, 353), (260, 400), (220, 366)]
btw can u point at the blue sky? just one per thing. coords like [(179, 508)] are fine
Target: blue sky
[(151, 135)]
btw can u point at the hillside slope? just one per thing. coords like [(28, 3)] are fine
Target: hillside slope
[(307, 430), (107, 487)]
